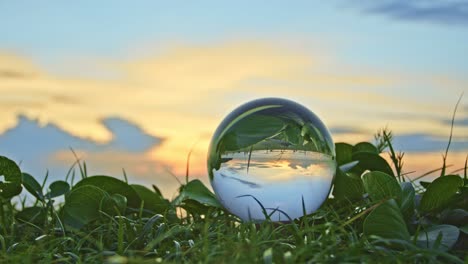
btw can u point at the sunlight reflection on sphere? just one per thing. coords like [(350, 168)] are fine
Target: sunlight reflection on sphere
[(272, 152)]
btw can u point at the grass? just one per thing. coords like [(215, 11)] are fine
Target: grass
[(205, 233)]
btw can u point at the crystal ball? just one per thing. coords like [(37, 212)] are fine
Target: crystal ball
[(271, 159)]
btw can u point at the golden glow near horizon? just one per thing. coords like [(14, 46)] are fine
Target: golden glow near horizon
[(183, 93)]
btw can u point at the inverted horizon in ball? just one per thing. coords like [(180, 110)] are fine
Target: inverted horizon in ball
[(271, 158)]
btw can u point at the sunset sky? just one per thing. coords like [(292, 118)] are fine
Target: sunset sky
[(136, 85)]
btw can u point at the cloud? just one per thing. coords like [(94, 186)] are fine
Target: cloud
[(12, 74), (345, 130), (421, 142), (463, 122), (453, 12), (41, 147)]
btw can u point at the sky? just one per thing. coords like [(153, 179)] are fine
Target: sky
[(137, 85)]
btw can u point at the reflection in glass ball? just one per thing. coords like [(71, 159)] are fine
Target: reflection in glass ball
[(271, 157)]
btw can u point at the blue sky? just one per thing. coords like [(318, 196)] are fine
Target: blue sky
[(162, 75)]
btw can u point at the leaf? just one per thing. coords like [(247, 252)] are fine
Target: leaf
[(424, 184), (58, 188), (32, 186), (407, 199), (447, 235), (35, 215), (386, 221), (251, 130), (293, 134), (439, 192), (344, 153), (456, 217), (11, 186), (464, 229), (195, 190), (365, 147), (114, 204), (82, 205), (381, 186), (113, 186), (346, 187), (242, 131), (153, 201), (373, 162)]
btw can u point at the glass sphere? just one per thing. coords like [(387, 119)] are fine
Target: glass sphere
[(271, 158)]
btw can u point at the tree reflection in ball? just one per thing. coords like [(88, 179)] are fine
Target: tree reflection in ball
[(271, 158)]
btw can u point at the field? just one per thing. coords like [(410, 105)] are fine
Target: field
[(381, 216)]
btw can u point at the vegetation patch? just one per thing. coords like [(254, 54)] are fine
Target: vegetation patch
[(375, 214)]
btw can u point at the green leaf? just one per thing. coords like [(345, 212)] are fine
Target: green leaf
[(32, 186), (407, 199), (424, 184), (446, 235), (440, 192), (293, 134), (381, 186), (456, 217), (371, 161), (11, 186), (346, 187), (386, 221), (82, 205), (114, 204), (113, 186), (36, 215), (464, 229), (344, 153), (251, 130), (195, 190), (365, 147), (153, 201), (58, 188)]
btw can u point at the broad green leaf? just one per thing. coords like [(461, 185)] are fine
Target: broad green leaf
[(386, 221), (464, 229), (446, 235), (424, 184), (250, 130), (58, 188), (439, 192), (115, 204), (344, 153), (365, 147), (11, 185), (241, 117), (35, 215), (32, 186), (456, 217), (195, 190), (113, 186), (381, 186), (244, 131), (407, 199), (152, 200), (314, 137), (293, 134), (371, 161), (346, 187), (82, 205)]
